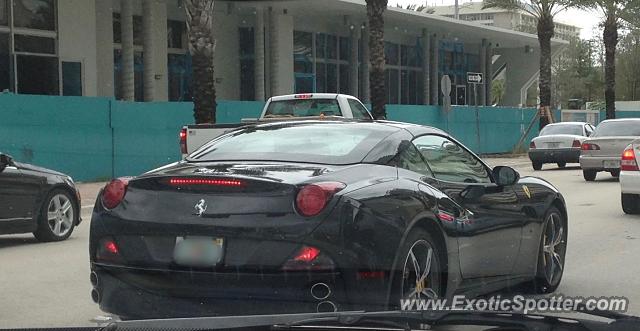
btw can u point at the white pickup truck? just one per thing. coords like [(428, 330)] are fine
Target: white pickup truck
[(278, 108)]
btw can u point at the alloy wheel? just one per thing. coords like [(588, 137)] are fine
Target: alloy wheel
[(553, 249), (416, 274), (60, 215)]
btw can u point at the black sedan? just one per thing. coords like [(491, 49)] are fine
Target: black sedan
[(38, 200), (321, 216)]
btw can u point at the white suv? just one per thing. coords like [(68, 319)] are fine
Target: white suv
[(630, 178)]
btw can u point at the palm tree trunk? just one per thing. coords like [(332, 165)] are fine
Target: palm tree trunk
[(610, 38), (375, 11), (545, 29), (202, 47)]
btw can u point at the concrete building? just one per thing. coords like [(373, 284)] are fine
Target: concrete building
[(519, 21), (137, 50)]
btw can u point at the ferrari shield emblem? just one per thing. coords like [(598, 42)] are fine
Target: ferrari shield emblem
[(526, 191)]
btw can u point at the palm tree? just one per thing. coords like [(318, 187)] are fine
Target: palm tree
[(202, 47), (497, 91), (375, 12), (543, 11), (616, 13)]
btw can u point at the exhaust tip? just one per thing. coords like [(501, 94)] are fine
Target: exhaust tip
[(320, 291), (94, 279), (95, 296), (326, 307)]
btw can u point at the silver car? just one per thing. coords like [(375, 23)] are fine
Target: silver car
[(559, 143), (602, 151)]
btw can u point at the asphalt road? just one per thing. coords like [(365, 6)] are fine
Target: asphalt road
[(47, 285)]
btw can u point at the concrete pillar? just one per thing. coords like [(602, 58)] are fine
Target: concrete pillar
[(435, 72), (489, 74), (104, 48), (426, 78), (154, 44), (281, 46), (126, 19), (148, 49), (366, 91), (353, 60), (259, 55), (482, 97)]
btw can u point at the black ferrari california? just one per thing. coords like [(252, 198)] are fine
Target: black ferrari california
[(38, 200), (313, 216)]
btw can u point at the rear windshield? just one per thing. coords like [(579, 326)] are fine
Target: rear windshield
[(327, 143), (303, 107), (573, 129), (618, 128)]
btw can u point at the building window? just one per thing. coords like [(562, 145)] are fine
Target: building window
[(137, 29), (179, 77), (71, 78), (403, 74), (391, 53), (331, 62), (247, 64), (176, 34), (34, 14), (302, 52), (5, 63), (138, 68), (25, 54), (4, 12), (33, 44), (45, 68)]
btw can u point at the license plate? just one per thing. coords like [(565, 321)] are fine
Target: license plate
[(611, 164), (553, 145), (198, 251)]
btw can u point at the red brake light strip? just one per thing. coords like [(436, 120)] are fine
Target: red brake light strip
[(206, 181)]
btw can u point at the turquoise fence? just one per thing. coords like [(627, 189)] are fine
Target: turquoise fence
[(99, 138)]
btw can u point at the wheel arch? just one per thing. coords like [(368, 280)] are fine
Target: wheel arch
[(429, 224)]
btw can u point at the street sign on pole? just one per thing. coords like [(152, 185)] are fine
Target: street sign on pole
[(475, 78)]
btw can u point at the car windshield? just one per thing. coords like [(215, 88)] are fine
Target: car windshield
[(571, 129), (303, 107), (331, 143), (617, 128), (168, 159)]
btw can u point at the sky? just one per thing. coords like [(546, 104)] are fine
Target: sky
[(587, 20)]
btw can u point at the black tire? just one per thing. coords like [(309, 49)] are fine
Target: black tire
[(589, 175), (630, 203), (418, 238), (541, 283), (615, 173), (561, 164), (536, 165), (45, 232)]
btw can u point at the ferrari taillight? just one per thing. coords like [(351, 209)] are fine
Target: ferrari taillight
[(308, 258), (312, 198), (628, 161), (113, 193), (108, 250)]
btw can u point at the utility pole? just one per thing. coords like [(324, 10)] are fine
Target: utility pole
[(457, 11)]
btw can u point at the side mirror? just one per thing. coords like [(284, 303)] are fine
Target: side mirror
[(505, 176), (5, 160)]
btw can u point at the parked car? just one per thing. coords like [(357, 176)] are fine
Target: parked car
[(601, 152), (277, 108), (307, 216), (38, 200), (559, 143), (630, 178)]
